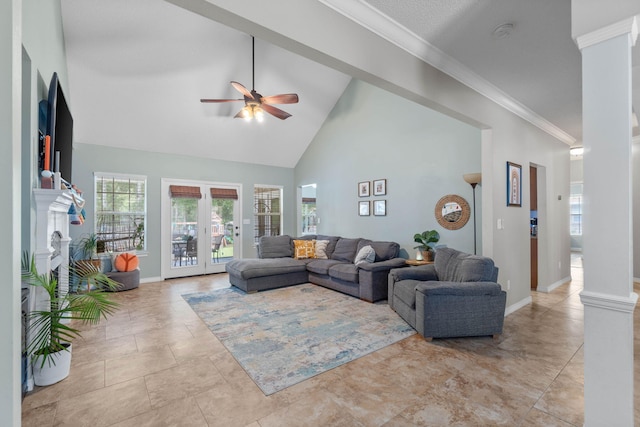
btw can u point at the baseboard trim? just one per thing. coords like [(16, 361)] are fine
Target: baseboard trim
[(517, 306), (551, 287), (151, 279)]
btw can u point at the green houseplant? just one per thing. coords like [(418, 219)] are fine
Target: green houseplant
[(51, 330), (427, 240), (87, 247)]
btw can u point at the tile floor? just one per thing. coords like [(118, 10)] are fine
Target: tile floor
[(155, 364)]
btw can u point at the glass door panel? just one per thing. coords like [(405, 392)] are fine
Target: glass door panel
[(223, 235), (184, 232)]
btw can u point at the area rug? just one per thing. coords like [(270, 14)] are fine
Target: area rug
[(284, 336)]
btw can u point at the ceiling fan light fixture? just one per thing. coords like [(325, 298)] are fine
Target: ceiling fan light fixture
[(247, 113), (258, 114), (257, 105)]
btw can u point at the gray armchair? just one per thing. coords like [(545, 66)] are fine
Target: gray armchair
[(458, 296)]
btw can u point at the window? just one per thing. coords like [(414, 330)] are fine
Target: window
[(575, 209), (121, 211), (267, 207)]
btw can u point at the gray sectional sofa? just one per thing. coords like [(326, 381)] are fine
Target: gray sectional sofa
[(277, 267)]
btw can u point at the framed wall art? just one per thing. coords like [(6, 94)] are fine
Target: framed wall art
[(514, 184), (379, 207), (380, 187), (363, 208), (364, 189)]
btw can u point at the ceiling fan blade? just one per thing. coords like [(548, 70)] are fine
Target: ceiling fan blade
[(285, 98), (274, 111), (221, 100), (243, 90)]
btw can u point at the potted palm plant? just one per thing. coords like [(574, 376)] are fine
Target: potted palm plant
[(51, 330), (427, 240)]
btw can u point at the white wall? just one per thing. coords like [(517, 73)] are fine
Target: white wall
[(31, 37), (372, 134), (362, 54), (10, 92), (636, 207)]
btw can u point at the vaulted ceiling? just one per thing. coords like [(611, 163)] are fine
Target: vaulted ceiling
[(137, 71)]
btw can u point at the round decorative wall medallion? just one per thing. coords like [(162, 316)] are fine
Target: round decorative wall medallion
[(452, 212)]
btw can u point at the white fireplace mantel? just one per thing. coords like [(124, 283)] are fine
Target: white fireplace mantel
[(51, 245)]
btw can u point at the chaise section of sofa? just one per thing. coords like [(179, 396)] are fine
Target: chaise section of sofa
[(337, 269)]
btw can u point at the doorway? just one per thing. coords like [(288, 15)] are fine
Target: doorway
[(200, 227), (307, 218), (533, 224)]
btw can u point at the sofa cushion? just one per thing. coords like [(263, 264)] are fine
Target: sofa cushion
[(455, 266), (275, 247), (304, 249), (250, 268), (405, 291), (345, 250), (331, 245), (321, 266), (321, 249), (384, 250), (364, 255), (346, 272)]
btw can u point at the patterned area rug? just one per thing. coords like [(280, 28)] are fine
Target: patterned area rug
[(284, 336)]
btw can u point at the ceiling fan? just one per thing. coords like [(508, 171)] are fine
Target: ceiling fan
[(256, 104)]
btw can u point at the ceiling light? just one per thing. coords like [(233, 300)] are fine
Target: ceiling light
[(503, 30), (578, 151), (258, 114)]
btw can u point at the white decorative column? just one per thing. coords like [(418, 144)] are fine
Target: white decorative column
[(608, 296)]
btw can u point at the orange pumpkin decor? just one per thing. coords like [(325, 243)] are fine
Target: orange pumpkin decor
[(126, 262)]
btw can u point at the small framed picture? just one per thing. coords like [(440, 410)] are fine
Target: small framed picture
[(514, 184), (380, 187), (379, 207), (363, 208), (364, 189)]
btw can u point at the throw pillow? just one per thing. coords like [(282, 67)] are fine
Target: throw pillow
[(366, 254), (304, 249), (126, 262), (321, 249)]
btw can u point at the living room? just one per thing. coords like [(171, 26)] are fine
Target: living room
[(480, 138)]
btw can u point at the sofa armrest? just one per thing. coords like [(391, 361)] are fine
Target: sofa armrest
[(382, 265), (459, 288), (422, 272)]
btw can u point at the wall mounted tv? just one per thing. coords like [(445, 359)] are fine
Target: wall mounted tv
[(59, 126)]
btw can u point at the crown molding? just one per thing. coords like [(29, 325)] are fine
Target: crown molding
[(370, 18), (629, 25)]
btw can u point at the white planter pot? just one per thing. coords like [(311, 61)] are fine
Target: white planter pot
[(51, 373)]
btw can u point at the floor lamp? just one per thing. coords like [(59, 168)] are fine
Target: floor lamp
[(473, 179)]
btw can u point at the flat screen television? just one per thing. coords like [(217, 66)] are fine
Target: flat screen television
[(60, 129)]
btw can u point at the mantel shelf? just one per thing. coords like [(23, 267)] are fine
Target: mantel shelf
[(54, 200)]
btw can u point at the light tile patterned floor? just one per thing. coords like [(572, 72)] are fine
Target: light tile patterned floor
[(156, 364)]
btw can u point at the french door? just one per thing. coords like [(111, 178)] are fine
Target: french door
[(200, 227)]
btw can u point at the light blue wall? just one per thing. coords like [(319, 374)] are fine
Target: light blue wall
[(372, 134), (88, 158)]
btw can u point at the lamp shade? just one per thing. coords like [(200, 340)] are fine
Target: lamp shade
[(473, 178)]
